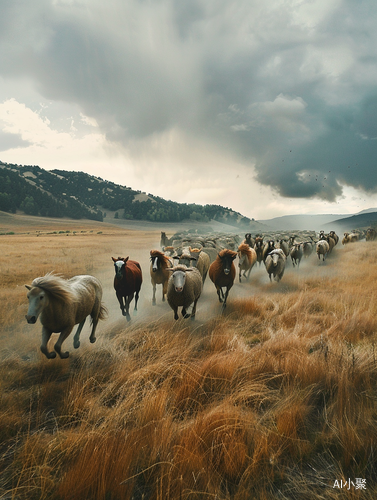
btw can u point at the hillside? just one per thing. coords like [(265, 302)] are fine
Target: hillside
[(312, 222), (357, 221), (59, 193)]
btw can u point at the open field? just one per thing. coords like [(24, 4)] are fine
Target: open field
[(277, 398)]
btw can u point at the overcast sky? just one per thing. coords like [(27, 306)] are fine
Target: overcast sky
[(269, 108)]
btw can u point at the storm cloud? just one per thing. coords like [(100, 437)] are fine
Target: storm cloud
[(287, 89)]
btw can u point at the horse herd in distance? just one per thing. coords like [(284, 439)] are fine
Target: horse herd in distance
[(181, 267)]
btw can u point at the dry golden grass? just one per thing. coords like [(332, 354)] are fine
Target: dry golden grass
[(275, 399)]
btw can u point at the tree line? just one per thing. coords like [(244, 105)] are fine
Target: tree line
[(59, 193)]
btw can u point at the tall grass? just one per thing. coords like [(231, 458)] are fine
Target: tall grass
[(277, 398)]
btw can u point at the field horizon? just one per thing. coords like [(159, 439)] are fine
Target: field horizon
[(276, 398)]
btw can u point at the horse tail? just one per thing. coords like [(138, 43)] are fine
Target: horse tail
[(103, 312)]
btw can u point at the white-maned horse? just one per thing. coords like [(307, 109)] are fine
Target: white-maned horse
[(61, 304)]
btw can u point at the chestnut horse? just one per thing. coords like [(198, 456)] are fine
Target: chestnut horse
[(127, 283), (222, 273), (247, 258), (160, 263), (62, 304)]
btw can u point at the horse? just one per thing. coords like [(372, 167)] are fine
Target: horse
[(165, 241), (160, 263), (127, 283), (61, 304), (258, 247), (222, 273), (247, 258), (249, 240)]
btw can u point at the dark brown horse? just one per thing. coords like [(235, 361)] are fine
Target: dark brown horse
[(258, 247), (127, 283), (222, 273)]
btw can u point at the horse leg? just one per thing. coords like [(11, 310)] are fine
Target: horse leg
[(136, 301), (219, 291), (58, 346), (92, 337), (193, 312), (46, 334), (175, 309), (154, 294), (128, 301), (185, 314), (225, 297), (164, 290), (120, 300), (76, 338), (240, 274)]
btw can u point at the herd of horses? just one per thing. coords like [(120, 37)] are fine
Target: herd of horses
[(61, 304)]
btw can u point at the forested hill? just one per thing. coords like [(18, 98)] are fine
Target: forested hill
[(59, 193)]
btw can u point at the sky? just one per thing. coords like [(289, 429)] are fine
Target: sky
[(268, 108)]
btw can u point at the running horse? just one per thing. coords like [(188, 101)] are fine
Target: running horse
[(127, 283), (159, 271), (61, 304), (222, 273)]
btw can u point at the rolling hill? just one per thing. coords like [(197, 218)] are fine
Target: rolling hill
[(60, 193)]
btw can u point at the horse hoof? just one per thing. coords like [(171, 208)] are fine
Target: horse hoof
[(186, 316), (153, 302), (76, 345), (128, 317), (92, 340), (64, 355), (124, 313), (192, 317), (51, 355)]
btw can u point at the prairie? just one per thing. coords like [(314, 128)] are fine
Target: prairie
[(276, 398)]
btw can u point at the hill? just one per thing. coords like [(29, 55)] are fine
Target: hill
[(362, 220), (301, 222), (59, 193)]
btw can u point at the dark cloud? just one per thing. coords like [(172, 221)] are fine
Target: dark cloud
[(289, 91), (11, 141)]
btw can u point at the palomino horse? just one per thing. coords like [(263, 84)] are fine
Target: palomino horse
[(62, 304), (160, 275), (127, 283), (222, 273)]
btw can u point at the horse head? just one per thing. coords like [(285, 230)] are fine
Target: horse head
[(37, 298), (227, 257), (119, 265)]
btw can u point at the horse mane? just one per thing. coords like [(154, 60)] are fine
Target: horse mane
[(226, 251), (245, 249), (56, 286), (164, 259)]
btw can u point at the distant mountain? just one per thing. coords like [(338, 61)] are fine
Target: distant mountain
[(301, 222), (363, 219), (367, 211), (327, 222), (59, 193)]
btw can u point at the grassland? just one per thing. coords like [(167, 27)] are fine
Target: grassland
[(277, 398)]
